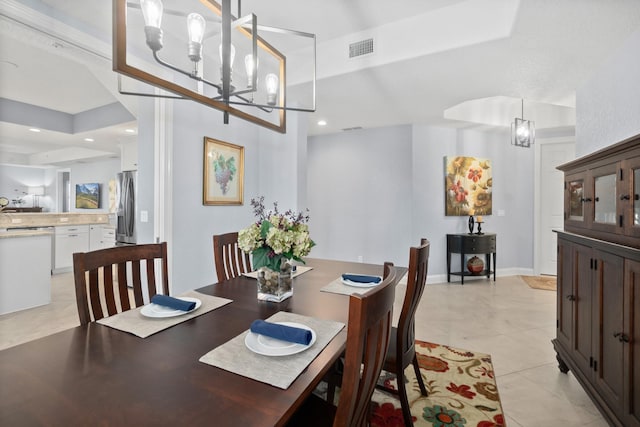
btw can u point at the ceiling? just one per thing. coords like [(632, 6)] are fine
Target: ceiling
[(437, 62)]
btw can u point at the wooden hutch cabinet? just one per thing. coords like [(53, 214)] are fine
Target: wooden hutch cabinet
[(598, 306)]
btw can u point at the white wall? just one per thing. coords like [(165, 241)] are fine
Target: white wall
[(351, 174), (14, 177), (15, 180), (100, 172), (270, 169), (608, 104), (359, 195)]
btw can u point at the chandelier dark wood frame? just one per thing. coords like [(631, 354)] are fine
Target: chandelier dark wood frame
[(121, 66)]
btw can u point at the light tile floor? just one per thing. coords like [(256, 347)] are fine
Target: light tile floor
[(506, 319)]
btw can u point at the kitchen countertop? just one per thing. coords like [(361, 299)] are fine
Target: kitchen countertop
[(24, 233), (10, 220)]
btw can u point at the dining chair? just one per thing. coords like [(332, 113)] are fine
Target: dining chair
[(102, 282), (368, 334), (230, 261), (402, 351)]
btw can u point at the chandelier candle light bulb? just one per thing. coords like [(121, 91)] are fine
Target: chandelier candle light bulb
[(271, 82), (152, 13), (251, 67), (195, 27)]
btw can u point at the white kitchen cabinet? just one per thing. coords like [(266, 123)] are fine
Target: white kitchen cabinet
[(108, 237), (101, 237), (95, 237), (129, 155), (68, 240)]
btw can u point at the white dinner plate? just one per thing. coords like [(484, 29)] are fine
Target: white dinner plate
[(358, 284), (272, 347), (156, 310)]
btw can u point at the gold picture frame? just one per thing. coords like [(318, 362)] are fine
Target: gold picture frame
[(223, 175)]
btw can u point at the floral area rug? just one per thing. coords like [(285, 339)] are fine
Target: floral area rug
[(461, 385)]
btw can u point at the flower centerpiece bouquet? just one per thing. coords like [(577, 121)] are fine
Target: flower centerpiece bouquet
[(274, 240)]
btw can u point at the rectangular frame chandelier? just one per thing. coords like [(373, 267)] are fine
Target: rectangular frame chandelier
[(523, 132), (190, 54)]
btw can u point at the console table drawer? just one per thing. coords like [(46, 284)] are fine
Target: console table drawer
[(478, 244), (471, 244)]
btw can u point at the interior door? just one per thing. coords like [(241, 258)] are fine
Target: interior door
[(551, 202)]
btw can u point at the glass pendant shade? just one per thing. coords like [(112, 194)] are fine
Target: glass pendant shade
[(522, 132), (271, 81)]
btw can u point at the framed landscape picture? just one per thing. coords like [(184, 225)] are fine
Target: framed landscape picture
[(468, 186), (223, 173), (88, 196)]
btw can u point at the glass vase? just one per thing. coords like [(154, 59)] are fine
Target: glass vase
[(274, 286)]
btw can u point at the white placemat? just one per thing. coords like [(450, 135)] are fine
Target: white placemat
[(337, 287), (134, 322), (278, 371), (300, 269)]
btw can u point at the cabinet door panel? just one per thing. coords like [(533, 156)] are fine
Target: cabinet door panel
[(66, 245), (632, 348), (575, 199), (630, 197), (603, 212), (583, 308), (565, 294), (609, 375)]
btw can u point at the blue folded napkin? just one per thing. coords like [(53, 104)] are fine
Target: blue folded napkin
[(281, 332), (361, 278), (172, 302)]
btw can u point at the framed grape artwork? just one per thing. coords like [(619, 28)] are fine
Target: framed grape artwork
[(223, 173)]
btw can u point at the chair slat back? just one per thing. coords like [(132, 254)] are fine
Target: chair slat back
[(230, 261), (416, 280), (99, 296), (370, 317)]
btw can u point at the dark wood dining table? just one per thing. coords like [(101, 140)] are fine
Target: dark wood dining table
[(94, 375)]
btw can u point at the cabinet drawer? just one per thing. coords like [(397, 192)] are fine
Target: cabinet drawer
[(479, 244), (71, 229)]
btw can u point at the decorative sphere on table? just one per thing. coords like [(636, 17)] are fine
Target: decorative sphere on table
[(475, 265)]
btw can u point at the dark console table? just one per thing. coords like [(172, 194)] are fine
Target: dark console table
[(464, 244)]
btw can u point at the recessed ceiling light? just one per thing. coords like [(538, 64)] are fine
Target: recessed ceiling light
[(322, 122), (89, 139), (34, 129), (130, 130)]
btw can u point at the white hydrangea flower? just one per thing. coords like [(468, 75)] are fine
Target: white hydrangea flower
[(249, 238)]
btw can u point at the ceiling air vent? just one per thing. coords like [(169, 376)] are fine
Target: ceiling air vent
[(363, 47), (351, 128)]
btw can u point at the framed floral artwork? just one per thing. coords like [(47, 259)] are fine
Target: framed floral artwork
[(223, 173), (468, 186)]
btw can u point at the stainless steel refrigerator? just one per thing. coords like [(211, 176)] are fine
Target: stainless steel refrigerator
[(126, 187)]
